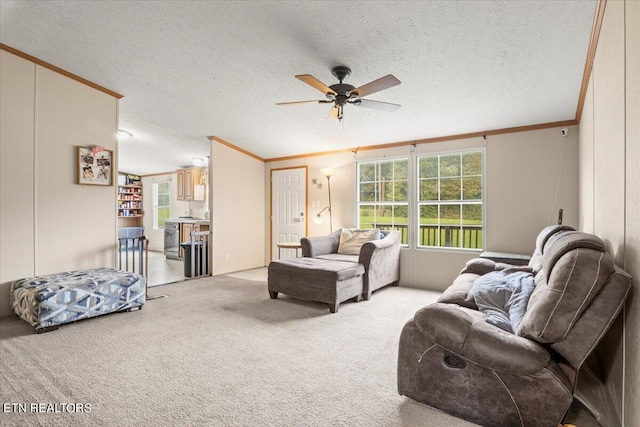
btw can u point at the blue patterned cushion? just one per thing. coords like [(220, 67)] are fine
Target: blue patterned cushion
[(61, 298)]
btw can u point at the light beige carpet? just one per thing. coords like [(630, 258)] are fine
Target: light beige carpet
[(219, 352)]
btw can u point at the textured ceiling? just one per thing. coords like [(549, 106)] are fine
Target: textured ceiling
[(193, 69)]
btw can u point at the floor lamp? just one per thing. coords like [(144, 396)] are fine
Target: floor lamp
[(318, 219)]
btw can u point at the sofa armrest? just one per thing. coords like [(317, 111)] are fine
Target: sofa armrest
[(386, 247), (458, 292), (482, 266), (465, 333), (320, 245), (381, 261)]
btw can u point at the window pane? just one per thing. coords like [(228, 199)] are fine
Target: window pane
[(472, 163), (472, 214), (400, 169), (472, 188), (163, 200), (386, 171), (401, 214), (472, 228), (401, 221), (365, 216), (428, 226), (428, 189), (386, 192), (401, 191), (450, 214), (429, 214), (450, 165), (367, 172), (383, 216), (163, 187), (450, 236), (368, 192), (428, 167), (450, 189), (161, 216)]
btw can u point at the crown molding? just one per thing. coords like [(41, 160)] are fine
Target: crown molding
[(591, 53), (58, 70)]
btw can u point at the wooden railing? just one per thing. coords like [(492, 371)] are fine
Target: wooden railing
[(133, 255), (452, 236)]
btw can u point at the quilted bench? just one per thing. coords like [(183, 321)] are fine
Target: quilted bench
[(48, 301)]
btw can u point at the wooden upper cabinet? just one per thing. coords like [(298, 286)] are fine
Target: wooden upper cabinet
[(187, 180), (181, 184)]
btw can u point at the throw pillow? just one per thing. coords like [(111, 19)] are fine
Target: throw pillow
[(352, 239)]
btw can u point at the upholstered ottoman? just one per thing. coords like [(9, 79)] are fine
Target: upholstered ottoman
[(48, 301), (315, 279)]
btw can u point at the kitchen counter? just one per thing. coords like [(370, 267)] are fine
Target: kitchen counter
[(189, 220)]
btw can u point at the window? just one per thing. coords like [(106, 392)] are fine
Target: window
[(450, 200), (161, 203), (383, 195)]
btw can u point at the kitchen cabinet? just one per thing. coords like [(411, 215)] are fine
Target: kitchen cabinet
[(186, 228), (188, 182)]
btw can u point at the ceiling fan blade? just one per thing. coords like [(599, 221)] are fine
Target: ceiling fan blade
[(377, 105), (321, 101), (377, 85), (333, 113), (312, 81)]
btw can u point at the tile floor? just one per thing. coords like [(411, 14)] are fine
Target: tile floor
[(163, 270)]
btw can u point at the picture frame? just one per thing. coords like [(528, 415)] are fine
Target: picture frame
[(95, 166)]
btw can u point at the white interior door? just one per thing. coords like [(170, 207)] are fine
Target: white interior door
[(289, 209)]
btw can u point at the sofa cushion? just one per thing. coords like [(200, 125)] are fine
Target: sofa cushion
[(352, 239), (327, 271), (339, 257), (575, 267), (543, 237)]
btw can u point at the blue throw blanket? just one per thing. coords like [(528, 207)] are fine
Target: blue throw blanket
[(503, 297)]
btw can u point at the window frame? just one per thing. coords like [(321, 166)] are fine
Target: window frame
[(155, 193), (406, 203), (418, 203)]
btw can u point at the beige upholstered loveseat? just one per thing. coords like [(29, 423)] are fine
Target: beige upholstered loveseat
[(324, 275)]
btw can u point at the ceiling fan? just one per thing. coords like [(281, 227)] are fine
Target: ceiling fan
[(341, 94)]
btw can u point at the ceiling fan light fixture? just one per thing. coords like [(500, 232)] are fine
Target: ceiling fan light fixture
[(342, 93)]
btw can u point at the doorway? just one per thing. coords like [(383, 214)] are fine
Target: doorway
[(288, 209)]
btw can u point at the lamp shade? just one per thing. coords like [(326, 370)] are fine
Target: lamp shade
[(327, 172), (318, 219)]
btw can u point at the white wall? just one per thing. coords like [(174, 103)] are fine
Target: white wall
[(237, 214), (632, 211), (17, 103), (609, 192), (522, 171), (49, 223)]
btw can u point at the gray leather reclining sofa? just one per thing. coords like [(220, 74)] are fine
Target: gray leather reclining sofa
[(451, 358)]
